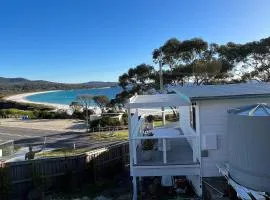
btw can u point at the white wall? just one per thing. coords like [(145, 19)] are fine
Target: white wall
[(213, 120), (184, 118)]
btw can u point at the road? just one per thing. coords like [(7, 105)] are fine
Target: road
[(54, 139)]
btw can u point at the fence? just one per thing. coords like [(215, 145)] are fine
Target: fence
[(108, 129), (65, 172), (6, 148)]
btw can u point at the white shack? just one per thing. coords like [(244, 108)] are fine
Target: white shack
[(196, 145)]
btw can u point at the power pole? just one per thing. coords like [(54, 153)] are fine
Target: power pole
[(161, 89), (160, 76)]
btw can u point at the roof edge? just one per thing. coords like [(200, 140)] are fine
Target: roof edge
[(229, 97)]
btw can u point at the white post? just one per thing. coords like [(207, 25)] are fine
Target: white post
[(134, 149), (164, 151), (130, 141), (136, 114), (134, 181), (160, 76), (194, 148), (163, 116), (161, 89)]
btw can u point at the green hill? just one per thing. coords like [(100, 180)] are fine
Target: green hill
[(20, 85)]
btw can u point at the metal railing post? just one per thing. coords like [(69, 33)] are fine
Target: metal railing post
[(194, 148), (164, 151), (134, 151)]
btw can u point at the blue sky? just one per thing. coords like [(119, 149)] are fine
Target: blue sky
[(86, 40)]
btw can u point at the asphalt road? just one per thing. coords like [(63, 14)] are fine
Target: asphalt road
[(24, 137)]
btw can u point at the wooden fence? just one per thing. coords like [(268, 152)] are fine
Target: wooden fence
[(66, 172)]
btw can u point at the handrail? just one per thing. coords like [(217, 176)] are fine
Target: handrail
[(161, 137), (6, 142)]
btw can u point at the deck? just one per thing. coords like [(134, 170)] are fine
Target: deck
[(180, 154), (178, 150)]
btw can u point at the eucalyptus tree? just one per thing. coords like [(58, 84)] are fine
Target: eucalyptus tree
[(251, 60), (166, 56), (187, 59), (135, 80), (85, 101), (101, 101)]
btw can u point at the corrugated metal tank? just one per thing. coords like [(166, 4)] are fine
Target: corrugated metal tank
[(249, 146)]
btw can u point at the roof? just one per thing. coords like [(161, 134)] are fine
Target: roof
[(206, 92), (260, 109), (157, 100)]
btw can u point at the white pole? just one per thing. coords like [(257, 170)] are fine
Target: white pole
[(134, 181), (130, 141), (164, 151), (45, 138), (161, 89), (160, 76), (134, 147)]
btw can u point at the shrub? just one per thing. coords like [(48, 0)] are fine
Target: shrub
[(3, 113), (35, 114), (150, 118), (148, 145), (108, 121), (6, 113), (78, 115), (125, 118), (105, 121), (4, 104)]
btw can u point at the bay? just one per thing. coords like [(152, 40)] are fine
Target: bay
[(65, 97)]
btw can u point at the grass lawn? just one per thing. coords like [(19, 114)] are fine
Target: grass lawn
[(111, 136), (100, 137), (158, 123), (62, 152)]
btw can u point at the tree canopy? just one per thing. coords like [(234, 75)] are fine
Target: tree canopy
[(102, 101), (85, 101), (187, 59), (135, 80), (197, 62), (250, 60)]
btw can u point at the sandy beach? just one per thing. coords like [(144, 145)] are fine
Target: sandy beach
[(21, 98)]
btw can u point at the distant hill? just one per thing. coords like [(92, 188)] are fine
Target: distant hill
[(20, 85)]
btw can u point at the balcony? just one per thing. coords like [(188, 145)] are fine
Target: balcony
[(178, 151), (167, 145)]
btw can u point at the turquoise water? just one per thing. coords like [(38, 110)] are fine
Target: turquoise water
[(67, 96)]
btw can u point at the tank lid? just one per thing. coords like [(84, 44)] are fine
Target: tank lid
[(260, 109)]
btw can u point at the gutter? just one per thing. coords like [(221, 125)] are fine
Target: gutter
[(186, 98), (189, 99)]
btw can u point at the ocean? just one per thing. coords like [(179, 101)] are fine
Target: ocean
[(65, 97)]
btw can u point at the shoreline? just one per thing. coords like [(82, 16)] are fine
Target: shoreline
[(21, 98)]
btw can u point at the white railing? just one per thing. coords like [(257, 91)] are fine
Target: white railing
[(165, 145), (195, 143), (137, 136)]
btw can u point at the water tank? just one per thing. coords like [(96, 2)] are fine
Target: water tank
[(249, 146)]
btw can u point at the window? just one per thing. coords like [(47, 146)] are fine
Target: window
[(193, 116)]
